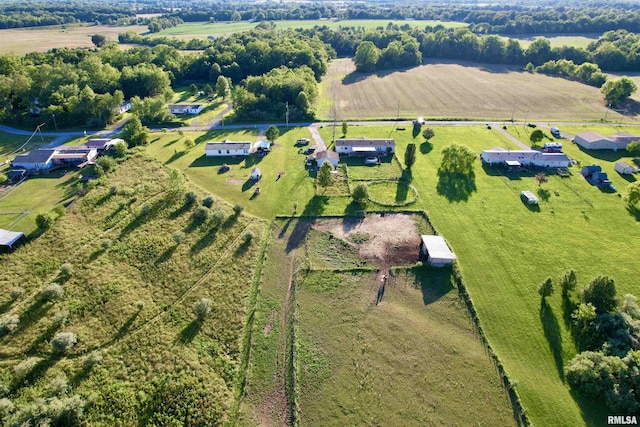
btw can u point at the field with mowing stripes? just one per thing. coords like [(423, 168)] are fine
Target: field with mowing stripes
[(455, 90)]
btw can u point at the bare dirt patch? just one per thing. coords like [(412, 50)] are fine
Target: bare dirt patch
[(393, 238)]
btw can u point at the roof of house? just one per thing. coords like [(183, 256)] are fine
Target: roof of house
[(35, 156), (102, 142), (363, 142), (8, 238), (327, 155), (524, 155), (437, 247), (591, 136), (228, 145), (183, 106)]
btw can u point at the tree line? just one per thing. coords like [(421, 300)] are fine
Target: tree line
[(71, 87)]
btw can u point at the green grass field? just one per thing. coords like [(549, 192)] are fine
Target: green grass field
[(129, 299), (456, 90), (412, 357), (204, 29), (575, 40), (10, 143)]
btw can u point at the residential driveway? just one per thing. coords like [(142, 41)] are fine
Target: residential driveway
[(511, 137), (317, 139)]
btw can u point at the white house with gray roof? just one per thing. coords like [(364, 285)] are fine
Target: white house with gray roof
[(525, 158), (227, 148), (365, 146)]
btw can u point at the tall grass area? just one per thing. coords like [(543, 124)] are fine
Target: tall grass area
[(411, 359), (132, 257)]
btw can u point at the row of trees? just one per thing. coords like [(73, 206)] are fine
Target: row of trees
[(38, 13), (397, 54), (131, 37)]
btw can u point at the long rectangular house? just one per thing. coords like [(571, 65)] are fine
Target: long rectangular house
[(227, 148), (365, 146), (525, 158)]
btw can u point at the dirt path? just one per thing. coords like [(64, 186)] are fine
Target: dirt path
[(315, 135), (511, 137)]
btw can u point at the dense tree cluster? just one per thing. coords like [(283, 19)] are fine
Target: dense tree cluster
[(130, 37), (587, 72), (32, 14), (607, 332)]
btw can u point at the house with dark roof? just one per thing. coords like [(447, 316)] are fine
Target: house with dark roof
[(36, 160), (365, 146), (227, 148), (103, 144)]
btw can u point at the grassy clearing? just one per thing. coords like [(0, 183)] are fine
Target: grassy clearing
[(348, 348), (446, 89), (388, 168), (389, 193), (204, 29), (19, 208), (10, 143), (129, 298), (42, 39), (575, 40)]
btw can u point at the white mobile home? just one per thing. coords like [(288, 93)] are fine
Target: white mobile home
[(227, 148), (525, 158), (365, 146), (192, 109)]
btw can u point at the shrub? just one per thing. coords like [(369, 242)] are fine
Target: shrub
[(106, 163), (113, 190), (63, 341), (360, 194), (248, 238), (92, 359), (24, 368), (202, 308), (217, 218), (238, 208), (6, 407), (105, 244), (59, 385), (140, 305), (145, 209), (178, 237), (44, 221), (61, 317), (66, 270), (51, 292), (9, 324), (59, 210), (16, 292), (201, 214), (119, 150), (190, 198), (188, 143), (208, 201)]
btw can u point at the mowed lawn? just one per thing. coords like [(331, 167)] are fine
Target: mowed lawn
[(204, 29), (292, 193), (456, 90), (505, 250), (10, 143), (42, 39)]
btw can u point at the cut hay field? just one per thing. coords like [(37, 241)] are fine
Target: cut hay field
[(42, 39), (456, 90), (505, 250), (204, 29), (131, 258), (324, 353)]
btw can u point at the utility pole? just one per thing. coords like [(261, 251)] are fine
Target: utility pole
[(513, 113), (606, 112), (286, 115), (53, 116)]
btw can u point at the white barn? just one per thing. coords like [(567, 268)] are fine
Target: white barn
[(34, 160), (525, 158), (595, 141), (227, 148), (436, 251), (365, 146), (192, 109)]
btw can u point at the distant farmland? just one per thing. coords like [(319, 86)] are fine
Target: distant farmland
[(193, 29), (42, 39), (447, 89)]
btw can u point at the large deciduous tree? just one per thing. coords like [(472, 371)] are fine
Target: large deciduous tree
[(272, 133), (134, 134), (616, 91), (360, 194), (632, 196), (223, 89), (367, 56), (99, 40), (601, 292), (457, 160), (324, 175)]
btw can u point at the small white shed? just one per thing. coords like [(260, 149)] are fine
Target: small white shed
[(256, 174), (436, 251), (624, 168)]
